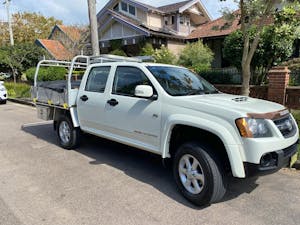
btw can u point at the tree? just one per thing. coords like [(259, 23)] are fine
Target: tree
[(20, 57), (275, 45), (196, 56), (253, 13), (27, 27)]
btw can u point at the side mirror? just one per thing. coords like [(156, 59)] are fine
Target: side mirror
[(143, 91)]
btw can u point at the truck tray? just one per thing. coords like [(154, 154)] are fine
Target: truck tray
[(52, 92)]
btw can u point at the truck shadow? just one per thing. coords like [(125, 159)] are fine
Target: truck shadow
[(140, 165)]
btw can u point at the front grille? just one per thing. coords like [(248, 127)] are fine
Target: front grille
[(289, 151), (286, 126)]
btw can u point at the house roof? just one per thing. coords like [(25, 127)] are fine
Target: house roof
[(173, 7), (55, 48), (72, 32), (216, 28), (137, 25)]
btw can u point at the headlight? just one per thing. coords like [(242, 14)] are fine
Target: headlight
[(253, 128)]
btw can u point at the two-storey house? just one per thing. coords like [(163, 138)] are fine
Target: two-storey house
[(133, 23)]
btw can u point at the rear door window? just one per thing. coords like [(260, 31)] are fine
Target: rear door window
[(97, 79)]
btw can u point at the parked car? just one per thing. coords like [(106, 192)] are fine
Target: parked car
[(170, 111), (3, 93)]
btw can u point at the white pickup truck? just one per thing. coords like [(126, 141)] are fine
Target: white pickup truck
[(172, 112)]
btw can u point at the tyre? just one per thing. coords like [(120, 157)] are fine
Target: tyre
[(68, 136), (198, 174), (3, 102)]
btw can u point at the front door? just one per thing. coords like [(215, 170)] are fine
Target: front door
[(136, 120)]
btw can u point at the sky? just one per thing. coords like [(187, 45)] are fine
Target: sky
[(74, 12)]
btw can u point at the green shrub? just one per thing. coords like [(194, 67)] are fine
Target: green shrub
[(118, 52), (196, 56), (147, 50), (164, 55), (47, 73), (18, 90)]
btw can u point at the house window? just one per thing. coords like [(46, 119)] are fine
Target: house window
[(131, 10), (124, 6), (116, 8), (187, 21), (166, 20), (181, 19), (172, 19)]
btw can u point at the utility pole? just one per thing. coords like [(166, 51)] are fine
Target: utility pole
[(11, 37), (93, 27)]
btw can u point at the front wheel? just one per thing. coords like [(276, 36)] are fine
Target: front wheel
[(68, 135), (198, 174)]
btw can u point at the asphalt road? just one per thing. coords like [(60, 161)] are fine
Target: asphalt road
[(106, 183)]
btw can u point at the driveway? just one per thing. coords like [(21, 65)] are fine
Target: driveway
[(107, 183)]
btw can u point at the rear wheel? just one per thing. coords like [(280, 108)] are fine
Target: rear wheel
[(198, 174), (68, 136)]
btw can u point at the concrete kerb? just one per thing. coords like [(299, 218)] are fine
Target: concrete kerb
[(22, 101)]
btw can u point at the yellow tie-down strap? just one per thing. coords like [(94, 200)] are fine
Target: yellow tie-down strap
[(65, 105), (34, 100), (50, 102)]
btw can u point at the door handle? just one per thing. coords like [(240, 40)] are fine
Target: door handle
[(84, 98), (113, 102)]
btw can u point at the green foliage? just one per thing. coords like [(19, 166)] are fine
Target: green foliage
[(164, 55), (118, 52), (20, 57), (147, 50), (196, 56), (17, 90), (27, 27), (46, 73), (275, 46)]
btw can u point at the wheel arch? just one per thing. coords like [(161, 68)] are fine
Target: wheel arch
[(72, 114), (217, 132)]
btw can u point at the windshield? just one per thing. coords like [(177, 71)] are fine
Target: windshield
[(179, 81)]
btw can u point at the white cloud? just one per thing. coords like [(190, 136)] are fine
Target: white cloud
[(75, 11)]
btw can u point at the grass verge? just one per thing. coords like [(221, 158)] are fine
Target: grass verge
[(18, 90)]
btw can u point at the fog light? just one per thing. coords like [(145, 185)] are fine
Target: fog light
[(268, 159)]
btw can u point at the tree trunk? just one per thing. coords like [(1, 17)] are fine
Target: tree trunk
[(93, 27), (246, 72)]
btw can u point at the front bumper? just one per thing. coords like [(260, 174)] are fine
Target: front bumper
[(271, 161)]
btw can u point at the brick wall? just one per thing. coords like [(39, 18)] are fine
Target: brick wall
[(276, 91)]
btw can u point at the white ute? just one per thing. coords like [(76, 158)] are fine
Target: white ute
[(172, 112)]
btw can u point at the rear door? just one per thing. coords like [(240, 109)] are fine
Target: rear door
[(92, 99)]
